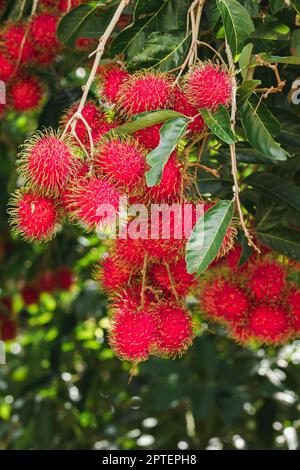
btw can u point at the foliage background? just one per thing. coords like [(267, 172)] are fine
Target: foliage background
[(62, 387)]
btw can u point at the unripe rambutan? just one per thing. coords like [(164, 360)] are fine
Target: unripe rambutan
[(8, 329), (182, 105), (26, 94), (110, 81), (17, 46), (7, 68), (269, 324), (94, 203), (34, 217), (30, 295), (149, 137), (43, 31), (207, 86), (293, 301), (224, 301), (180, 278), (133, 329), (123, 161), (113, 274), (144, 91), (47, 281), (175, 330), (267, 281), (47, 162), (64, 278)]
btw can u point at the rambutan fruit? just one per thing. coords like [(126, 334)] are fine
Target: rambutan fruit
[(182, 105), (94, 203), (132, 329), (34, 217), (7, 68), (43, 31), (293, 302), (169, 189), (224, 301), (267, 281), (43, 58), (144, 91), (175, 330), (269, 324), (8, 329), (94, 118), (207, 86), (233, 257), (174, 275), (63, 5), (85, 44), (123, 161), (30, 294), (47, 281), (110, 81), (64, 278), (112, 274), (149, 137), (26, 94), (48, 161), (65, 198), (17, 43)]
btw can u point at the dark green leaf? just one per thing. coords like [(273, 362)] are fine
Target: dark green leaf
[(219, 123), (283, 240), (146, 120)]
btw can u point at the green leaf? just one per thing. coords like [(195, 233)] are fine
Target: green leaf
[(258, 125), (283, 240), (219, 123), (237, 23), (143, 120), (274, 59), (170, 134), (246, 90), (207, 236), (244, 59), (276, 187)]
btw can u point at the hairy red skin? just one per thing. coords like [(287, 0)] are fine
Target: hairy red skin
[(267, 281), (181, 279), (34, 217), (133, 329), (13, 38), (175, 330), (87, 198), (110, 82), (144, 92), (64, 278), (123, 162), (149, 137), (269, 324), (293, 301), (30, 295), (43, 31), (26, 94), (207, 86), (182, 105), (224, 301), (113, 274), (7, 68)]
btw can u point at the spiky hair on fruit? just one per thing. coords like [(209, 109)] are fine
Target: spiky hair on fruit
[(293, 303), (144, 91), (175, 332), (16, 43), (43, 31), (112, 274), (26, 93), (48, 161), (224, 301), (35, 217), (149, 137), (133, 328), (110, 80), (182, 105), (269, 324), (207, 85), (267, 280), (94, 203), (123, 161), (172, 276), (7, 68), (94, 117)]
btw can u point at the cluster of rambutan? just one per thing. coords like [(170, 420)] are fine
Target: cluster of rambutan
[(256, 302), (146, 278), (8, 325)]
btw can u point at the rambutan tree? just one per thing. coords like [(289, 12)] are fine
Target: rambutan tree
[(193, 105)]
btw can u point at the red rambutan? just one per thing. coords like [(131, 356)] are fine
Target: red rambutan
[(26, 94), (17, 43), (43, 31), (47, 162), (123, 161), (33, 216), (30, 295), (8, 329), (207, 86), (267, 281), (175, 330), (293, 301), (94, 203), (133, 329), (64, 278), (144, 91), (47, 281), (182, 105), (85, 44), (110, 82), (113, 274), (224, 301), (7, 68), (269, 324), (180, 278), (149, 136)]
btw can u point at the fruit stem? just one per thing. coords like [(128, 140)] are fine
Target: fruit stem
[(172, 282), (144, 273)]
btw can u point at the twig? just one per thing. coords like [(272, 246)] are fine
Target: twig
[(234, 169), (280, 83), (144, 274), (171, 282), (32, 13)]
